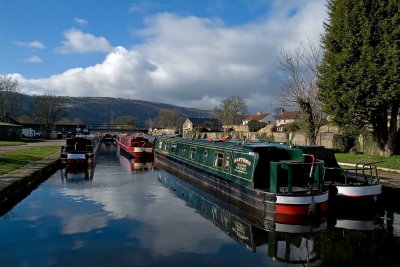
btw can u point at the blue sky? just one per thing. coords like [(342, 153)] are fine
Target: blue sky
[(187, 53)]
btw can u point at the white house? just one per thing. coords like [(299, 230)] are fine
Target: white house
[(285, 118), (201, 124), (259, 116)]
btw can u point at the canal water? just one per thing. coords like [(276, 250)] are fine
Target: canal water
[(126, 213)]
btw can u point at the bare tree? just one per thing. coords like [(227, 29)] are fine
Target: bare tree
[(127, 120), (150, 123), (168, 118), (300, 89), (9, 95), (47, 110), (231, 110)]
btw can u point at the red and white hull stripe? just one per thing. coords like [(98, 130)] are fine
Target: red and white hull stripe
[(300, 205)]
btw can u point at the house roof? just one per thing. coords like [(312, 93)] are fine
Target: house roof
[(203, 120), (288, 115), (255, 117)]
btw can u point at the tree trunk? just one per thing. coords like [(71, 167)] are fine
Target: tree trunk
[(386, 138), (392, 135), (309, 120)]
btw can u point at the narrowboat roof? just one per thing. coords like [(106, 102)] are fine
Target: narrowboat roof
[(232, 144)]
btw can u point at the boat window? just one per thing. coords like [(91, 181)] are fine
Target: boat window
[(183, 150), (166, 146), (173, 148), (218, 159), (205, 156), (192, 153), (160, 145)]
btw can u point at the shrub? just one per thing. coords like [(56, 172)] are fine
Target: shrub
[(343, 143), (254, 125)]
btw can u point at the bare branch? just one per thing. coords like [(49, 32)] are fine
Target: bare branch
[(300, 89)]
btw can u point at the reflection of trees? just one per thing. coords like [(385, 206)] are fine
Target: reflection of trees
[(344, 247)]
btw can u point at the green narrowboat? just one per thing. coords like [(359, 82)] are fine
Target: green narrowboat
[(272, 177)]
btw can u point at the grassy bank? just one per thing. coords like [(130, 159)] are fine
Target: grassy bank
[(391, 163), (11, 143), (12, 160)]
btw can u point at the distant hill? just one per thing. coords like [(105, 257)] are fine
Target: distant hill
[(99, 110)]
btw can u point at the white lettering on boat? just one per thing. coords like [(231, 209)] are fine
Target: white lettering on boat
[(243, 161)]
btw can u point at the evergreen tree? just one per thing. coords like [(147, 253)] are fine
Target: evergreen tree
[(255, 125), (360, 73)]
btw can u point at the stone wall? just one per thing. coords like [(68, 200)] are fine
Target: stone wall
[(324, 139)]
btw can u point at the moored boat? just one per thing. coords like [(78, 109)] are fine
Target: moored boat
[(80, 150), (267, 176), (108, 139), (359, 186), (136, 146)]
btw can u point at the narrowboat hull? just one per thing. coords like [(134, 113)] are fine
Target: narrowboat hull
[(277, 204)]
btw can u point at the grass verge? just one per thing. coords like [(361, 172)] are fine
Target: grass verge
[(11, 143), (12, 160), (391, 162)]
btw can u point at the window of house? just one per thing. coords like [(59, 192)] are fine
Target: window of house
[(218, 159), (192, 154)]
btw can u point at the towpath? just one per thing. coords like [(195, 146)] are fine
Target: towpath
[(58, 142), (17, 184)]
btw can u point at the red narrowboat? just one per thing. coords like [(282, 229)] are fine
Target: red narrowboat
[(137, 146)]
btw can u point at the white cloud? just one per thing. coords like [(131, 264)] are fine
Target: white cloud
[(34, 59), (143, 6), (191, 61), (32, 44), (80, 21), (77, 41)]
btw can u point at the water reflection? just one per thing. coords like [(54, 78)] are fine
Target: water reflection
[(135, 164), (75, 173), (152, 218), (290, 243)]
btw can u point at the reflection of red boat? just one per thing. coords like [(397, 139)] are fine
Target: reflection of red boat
[(136, 146), (140, 164), (136, 164)]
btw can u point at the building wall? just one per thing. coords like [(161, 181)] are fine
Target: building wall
[(10, 132)]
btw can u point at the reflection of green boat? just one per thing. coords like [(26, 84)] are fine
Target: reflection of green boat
[(271, 177), (249, 229)]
